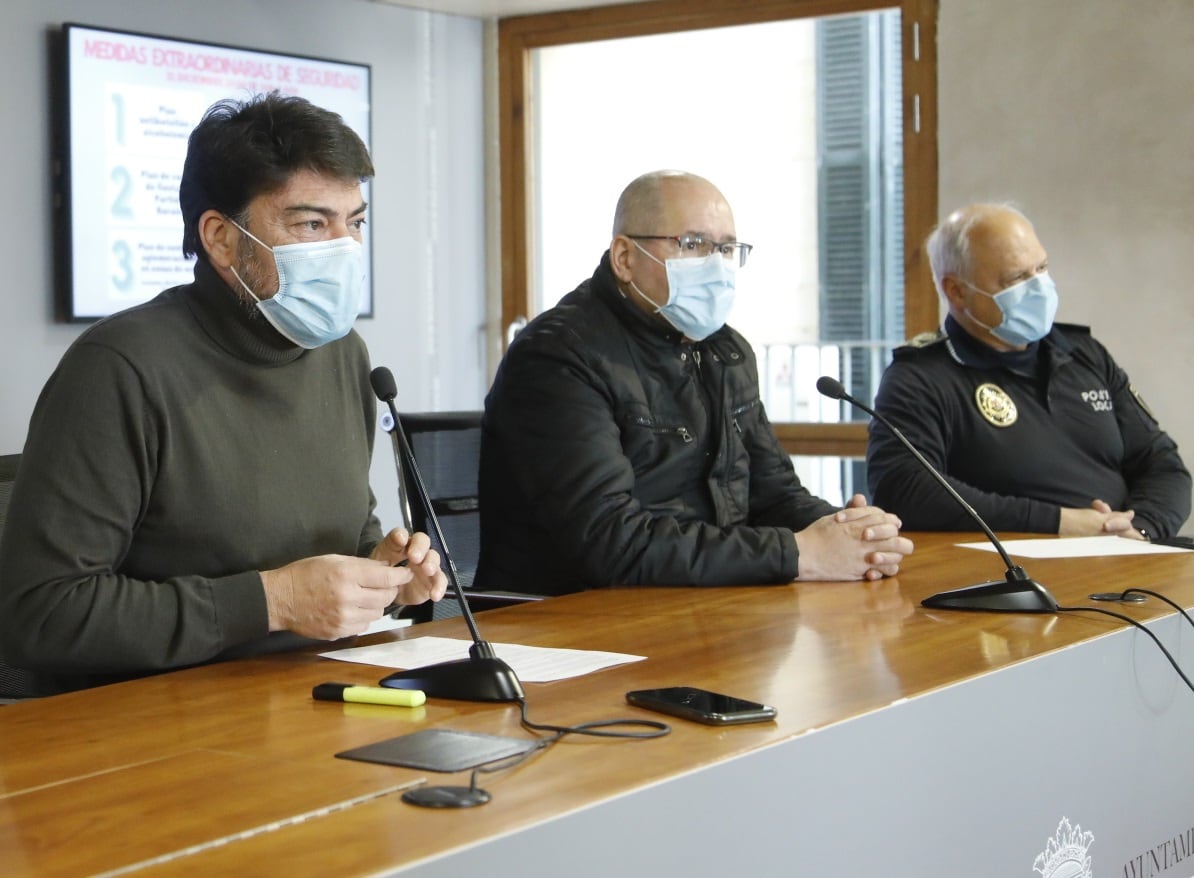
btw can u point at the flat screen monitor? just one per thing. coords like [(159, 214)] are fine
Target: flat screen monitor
[(130, 103)]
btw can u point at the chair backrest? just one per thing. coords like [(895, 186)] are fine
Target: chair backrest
[(15, 684), (8, 475), (447, 448)]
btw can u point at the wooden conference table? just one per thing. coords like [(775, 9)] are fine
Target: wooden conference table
[(908, 742)]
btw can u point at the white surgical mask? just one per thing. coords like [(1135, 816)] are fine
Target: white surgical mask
[(700, 293), (320, 286)]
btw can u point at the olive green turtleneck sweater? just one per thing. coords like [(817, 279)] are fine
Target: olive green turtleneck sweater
[(179, 448)]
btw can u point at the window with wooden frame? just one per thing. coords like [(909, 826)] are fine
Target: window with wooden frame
[(870, 280)]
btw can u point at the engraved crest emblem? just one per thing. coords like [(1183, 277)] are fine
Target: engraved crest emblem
[(1067, 854), (995, 405)]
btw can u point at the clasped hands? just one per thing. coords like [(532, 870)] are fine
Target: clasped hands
[(332, 596), (1099, 518), (857, 542)]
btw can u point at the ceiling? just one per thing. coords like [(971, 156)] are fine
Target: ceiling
[(499, 8)]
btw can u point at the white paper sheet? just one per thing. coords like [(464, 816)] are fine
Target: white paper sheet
[(532, 664), (1076, 547)]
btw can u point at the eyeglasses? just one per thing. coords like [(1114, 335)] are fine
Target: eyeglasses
[(699, 245)]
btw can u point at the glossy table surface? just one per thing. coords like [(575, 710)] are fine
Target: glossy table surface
[(207, 770)]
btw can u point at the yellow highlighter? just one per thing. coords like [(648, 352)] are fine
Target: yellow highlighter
[(368, 695)]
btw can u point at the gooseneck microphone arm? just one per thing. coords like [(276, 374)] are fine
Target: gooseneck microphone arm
[(482, 676), (387, 390), (832, 388), (1018, 592)]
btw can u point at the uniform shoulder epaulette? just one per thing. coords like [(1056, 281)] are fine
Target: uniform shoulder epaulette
[(925, 339), (1075, 328), (1140, 399)]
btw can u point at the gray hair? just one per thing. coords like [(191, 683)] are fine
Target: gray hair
[(948, 245)]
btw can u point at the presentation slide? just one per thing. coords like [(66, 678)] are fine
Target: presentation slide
[(133, 100)]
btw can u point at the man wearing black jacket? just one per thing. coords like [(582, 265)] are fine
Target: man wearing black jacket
[(1032, 421), (624, 440)]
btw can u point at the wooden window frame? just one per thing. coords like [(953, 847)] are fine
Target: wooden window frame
[(519, 35)]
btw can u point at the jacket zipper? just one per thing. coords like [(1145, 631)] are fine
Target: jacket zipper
[(680, 431), (736, 412)]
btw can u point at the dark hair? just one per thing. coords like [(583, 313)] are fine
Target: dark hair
[(243, 149)]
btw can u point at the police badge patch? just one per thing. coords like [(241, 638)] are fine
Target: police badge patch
[(995, 405)]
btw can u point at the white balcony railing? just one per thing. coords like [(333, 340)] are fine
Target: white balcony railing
[(788, 376)]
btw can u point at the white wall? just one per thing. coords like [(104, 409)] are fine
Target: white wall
[(1080, 111), (427, 210)]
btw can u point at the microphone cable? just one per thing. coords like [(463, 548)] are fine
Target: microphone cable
[(596, 728), (1141, 626), (1160, 597)]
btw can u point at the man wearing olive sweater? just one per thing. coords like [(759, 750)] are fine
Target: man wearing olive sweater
[(194, 485)]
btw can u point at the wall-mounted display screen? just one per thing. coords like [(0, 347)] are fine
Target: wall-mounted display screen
[(131, 101)]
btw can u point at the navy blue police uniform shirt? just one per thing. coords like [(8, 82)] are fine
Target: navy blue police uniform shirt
[(1020, 434)]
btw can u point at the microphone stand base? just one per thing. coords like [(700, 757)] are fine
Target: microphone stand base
[(446, 797), (1000, 596), (470, 679)]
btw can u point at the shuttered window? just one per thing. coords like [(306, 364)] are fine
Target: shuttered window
[(871, 286), (860, 189)]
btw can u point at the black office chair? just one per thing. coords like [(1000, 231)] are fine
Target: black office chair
[(8, 475), (447, 448), (15, 684)]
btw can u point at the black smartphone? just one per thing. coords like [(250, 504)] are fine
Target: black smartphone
[(701, 705)]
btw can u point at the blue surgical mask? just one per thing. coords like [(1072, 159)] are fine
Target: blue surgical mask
[(320, 286), (1028, 309), (700, 293)]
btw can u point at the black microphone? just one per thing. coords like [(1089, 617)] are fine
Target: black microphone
[(1016, 592), (482, 676)]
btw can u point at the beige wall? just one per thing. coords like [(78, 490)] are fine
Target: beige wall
[(1082, 112)]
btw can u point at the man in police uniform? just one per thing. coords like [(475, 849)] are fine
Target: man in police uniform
[(1032, 422)]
